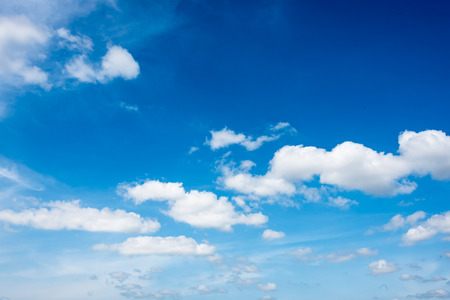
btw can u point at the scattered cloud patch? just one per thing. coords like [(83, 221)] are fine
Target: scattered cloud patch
[(366, 252), (351, 166), (382, 267), (433, 294), (129, 107), (197, 208), (21, 45), (341, 202), (193, 149), (117, 62), (439, 223), (398, 221), (74, 42), (148, 245), (119, 276), (270, 235), (268, 287), (227, 137), (204, 290), (60, 215)]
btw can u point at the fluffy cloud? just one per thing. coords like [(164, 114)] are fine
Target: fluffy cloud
[(439, 223), (21, 43), (352, 166), (270, 235), (268, 287), (226, 137), (341, 202), (382, 267), (69, 215), (117, 62), (148, 245), (74, 42), (398, 221), (204, 290), (433, 294), (366, 252), (197, 208)]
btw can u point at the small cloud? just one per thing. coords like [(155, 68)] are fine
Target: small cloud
[(366, 252), (120, 276), (302, 253), (342, 203), (335, 258), (382, 267), (74, 42), (438, 293), (117, 62), (268, 287), (128, 107), (226, 137), (193, 149), (270, 235), (128, 287)]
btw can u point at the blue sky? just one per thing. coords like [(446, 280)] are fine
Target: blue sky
[(224, 150)]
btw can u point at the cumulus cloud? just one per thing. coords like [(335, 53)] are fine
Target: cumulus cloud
[(197, 208), (21, 45), (60, 215), (341, 202), (74, 42), (439, 223), (398, 221), (382, 267), (148, 245), (117, 62), (268, 287), (204, 290), (306, 255), (226, 137), (270, 235), (352, 166), (366, 252), (433, 294)]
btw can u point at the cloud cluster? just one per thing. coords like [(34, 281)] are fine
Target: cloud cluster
[(307, 255), (197, 208), (117, 62), (21, 44), (382, 267), (148, 245), (349, 166), (60, 215), (433, 294), (226, 137), (439, 223), (270, 235)]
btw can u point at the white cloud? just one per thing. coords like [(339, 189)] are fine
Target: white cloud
[(193, 149), (69, 215), (351, 166), (117, 62), (74, 42), (366, 252), (342, 203), (197, 208), (204, 290), (398, 221), (149, 245), (21, 44), (283, 126), (408, 277), (335, 258), (382, 267), (270, 235), (119, 275), (227, 137), (433, 294), (268, 287), (439, 223), (129, 107), (302, 253)]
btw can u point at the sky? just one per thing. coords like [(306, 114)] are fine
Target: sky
[(192, 149)]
